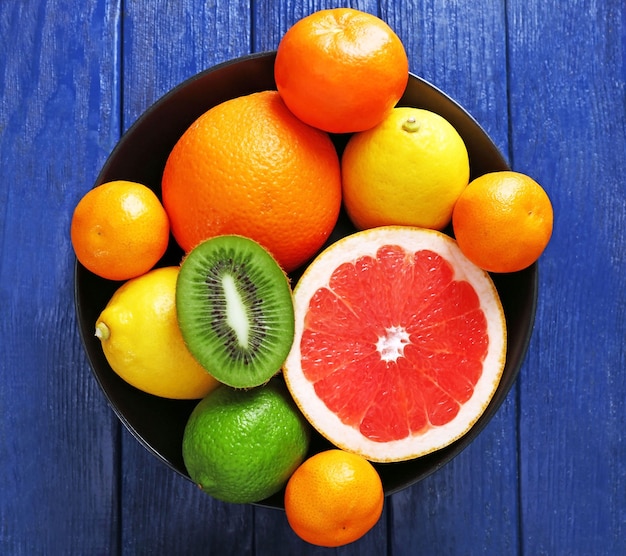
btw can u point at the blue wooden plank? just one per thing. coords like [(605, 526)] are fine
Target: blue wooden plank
[(58, 476), (64, 462), (164, 44), (272, 532), (470, 505), (167, 42), (273, 18), (163, 513), (568, 114)]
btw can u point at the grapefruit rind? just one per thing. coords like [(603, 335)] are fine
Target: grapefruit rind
[(413, 446)]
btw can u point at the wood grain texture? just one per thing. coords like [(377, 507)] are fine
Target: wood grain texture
[(546, 79), (163, 513), (470, 506), (58, 439), (272, 532), (167, 42), (272, 18), (568, 113), (164, 44)]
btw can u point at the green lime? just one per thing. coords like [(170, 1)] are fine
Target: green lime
[(242, 446)]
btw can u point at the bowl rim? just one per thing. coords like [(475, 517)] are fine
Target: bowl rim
[(443, 456)]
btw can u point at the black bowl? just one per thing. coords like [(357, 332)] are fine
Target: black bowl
[(140, 156)]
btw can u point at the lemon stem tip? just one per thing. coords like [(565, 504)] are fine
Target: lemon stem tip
[(410, 125), (102, 331)]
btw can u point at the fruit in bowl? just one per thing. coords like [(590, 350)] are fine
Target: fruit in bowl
[(141, 156), (150, 154)]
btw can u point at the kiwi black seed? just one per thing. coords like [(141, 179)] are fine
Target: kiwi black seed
[(235, 310)]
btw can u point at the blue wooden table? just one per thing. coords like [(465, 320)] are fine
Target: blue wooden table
[(545, 78)]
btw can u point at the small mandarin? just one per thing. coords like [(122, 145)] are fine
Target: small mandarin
[(503, 221), (341, 70), (119, 230), (333, 498)]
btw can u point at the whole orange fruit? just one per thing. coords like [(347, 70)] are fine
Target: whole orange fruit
[(248, 166), (333, 498), (119, 230), (503, 221), (341, 70)]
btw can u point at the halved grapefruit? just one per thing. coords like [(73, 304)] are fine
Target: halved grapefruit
[(400, 343)]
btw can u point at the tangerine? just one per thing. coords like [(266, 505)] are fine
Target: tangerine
[(503, 221), (333, 498), (249, 167), (119, 230), (341, 70)]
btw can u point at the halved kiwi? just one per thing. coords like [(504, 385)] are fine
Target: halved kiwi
[(235, 310)]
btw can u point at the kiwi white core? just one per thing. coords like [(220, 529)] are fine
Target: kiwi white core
[(236, 313), (235, 310)]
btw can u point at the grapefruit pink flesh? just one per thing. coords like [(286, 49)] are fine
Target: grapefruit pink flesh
[(400, 343)]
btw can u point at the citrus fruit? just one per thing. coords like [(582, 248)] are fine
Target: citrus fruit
[(333, 498), (119, 230), (142, 342), (249, 167), (503, 221), (341, 69), (408, 170), (241, 446), (400, 343)]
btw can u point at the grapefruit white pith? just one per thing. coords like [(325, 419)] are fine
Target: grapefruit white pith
[(400, 343)]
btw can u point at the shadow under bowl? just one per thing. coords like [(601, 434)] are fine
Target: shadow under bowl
[(140, 156)]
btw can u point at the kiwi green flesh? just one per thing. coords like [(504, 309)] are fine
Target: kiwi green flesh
[(235, 310)]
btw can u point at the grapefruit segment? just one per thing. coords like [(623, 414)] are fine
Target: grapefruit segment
[(400, 343)]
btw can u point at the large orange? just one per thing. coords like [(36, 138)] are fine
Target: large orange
[(333, 498), (248, 166), (503, 221), (119, 230), (341, 69)]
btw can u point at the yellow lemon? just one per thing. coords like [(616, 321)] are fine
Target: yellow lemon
[(409, 170), (142, 342)]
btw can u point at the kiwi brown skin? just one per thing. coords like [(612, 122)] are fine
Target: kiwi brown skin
[(235, 310)]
